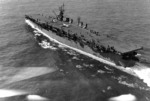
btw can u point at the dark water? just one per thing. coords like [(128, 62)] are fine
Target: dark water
[(62, 74)]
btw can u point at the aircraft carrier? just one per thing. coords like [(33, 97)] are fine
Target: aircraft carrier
[(77, 36)]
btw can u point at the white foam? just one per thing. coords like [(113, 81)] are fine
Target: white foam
[(101, 71), (144, 73), (47, 46), (124, 97)]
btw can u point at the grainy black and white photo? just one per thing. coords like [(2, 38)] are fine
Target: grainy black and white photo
[(74, 50)]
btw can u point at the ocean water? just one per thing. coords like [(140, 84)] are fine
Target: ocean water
[(63, 74)]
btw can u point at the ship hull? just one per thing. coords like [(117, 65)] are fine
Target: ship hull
[(86, 50)]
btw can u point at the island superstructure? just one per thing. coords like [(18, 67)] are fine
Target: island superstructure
[(77, 35)]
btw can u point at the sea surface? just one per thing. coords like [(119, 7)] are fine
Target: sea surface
[(63, 74)]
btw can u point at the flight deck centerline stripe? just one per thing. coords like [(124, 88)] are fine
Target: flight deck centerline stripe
[(82, 52)]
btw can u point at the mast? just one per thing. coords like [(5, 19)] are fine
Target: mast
[(61, 12)]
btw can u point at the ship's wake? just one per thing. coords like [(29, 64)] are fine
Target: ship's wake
[(143, 72)]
